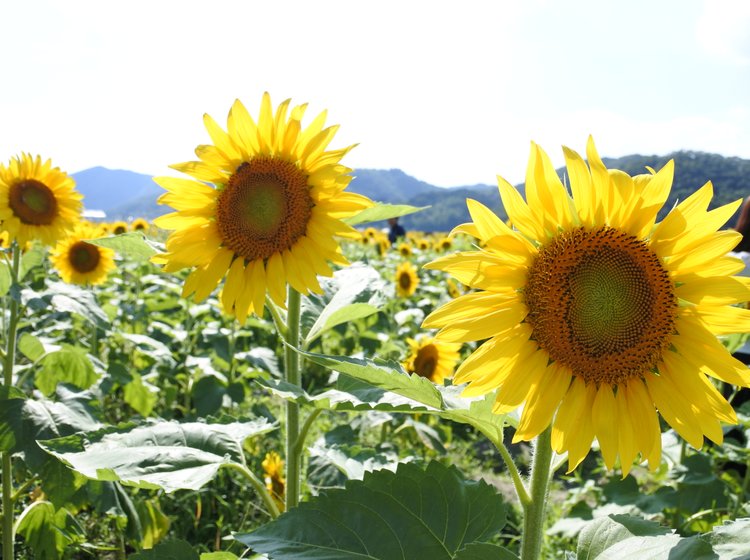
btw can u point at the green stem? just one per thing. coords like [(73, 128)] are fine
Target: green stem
[(8, 362), (497, 439), (278, 320), (303, 431), (534, 510), (260, 488), (292, 375)]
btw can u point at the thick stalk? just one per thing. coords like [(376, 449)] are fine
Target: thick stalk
[(534, 509), (292, 375), (10, 355)]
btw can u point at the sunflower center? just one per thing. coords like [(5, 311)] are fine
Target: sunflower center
[(83, 257), (33, 202), (426, 361), (601, 303), (264, 208), (404, 280)]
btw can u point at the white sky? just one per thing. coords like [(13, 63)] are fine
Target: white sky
[(450, 92)]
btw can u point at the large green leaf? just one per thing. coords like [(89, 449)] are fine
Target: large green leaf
[(386, 386), (47, 531), (157, 454), (623, 537), (484, 551), (70, 364), (70, 298), (132, 245), (412, 514), (353, 293), (731, 541), (22, 422), (382, 211)]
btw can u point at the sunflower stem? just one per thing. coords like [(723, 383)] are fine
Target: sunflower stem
[(523, 494), (292, 375), (8, 362), (259, 487), (534, 510)]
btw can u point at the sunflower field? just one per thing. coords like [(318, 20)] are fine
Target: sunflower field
[(262, 373)]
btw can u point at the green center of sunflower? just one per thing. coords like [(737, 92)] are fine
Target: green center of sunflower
[(33, 202), (601, 303), (83, 257), (426, 361), (264, 208)]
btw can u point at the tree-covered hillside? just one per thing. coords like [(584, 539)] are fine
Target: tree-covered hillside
[(730, 177)]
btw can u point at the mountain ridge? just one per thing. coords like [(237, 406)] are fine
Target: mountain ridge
[(123, 194)]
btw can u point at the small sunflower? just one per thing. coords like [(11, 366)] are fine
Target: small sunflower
[(597, 316), (37, 201), (453, 289), (406, 279), (118, 227), (423, 244), (431, 358), (265, 210), (139, 224), (404, 249), (445, 244), (79, 262), (273, 470)]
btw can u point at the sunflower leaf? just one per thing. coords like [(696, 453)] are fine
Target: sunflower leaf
[(414, 513), (368, 389), (620, 537), (133, 245), (730, 540), (382, 211), (353, 293), (157, 454)]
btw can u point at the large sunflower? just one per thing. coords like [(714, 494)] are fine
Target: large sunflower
[(37, 201), (432, 359), (264, 211), (79, 262), (598, 317)]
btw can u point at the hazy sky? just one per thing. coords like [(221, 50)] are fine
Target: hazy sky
[(450, 92)]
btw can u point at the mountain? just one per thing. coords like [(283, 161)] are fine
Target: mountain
[(123, 194), (108, 189)]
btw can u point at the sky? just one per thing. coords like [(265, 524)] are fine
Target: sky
[(452, 92)]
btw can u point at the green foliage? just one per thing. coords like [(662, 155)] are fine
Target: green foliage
[(156, 454), (411, 514)]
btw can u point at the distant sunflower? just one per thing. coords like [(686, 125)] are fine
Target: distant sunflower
[(265, 209), (598, 317), (273, 470), (79, 262), (406, 279), (423, 244), (139, 224), (431, 358), (118, 227), (445, 244), (37, 201), (404, 249)]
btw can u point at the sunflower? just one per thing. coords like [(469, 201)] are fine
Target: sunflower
[(273, 470), (598, 316), (431, 358), (404, 249), (139, 224), (79, 262), (37, 201), (264, 211), (118, 227), (445, 244), (423, 244), (406, 279)]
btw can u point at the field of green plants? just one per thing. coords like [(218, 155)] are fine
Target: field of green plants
[(145, 426)]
